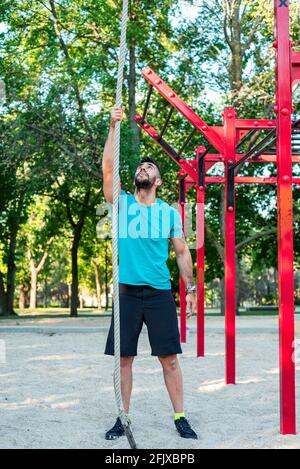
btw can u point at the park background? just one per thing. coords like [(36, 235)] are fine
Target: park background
[(58, 65)]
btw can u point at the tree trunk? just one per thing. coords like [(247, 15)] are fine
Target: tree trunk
[(77, 230), (34, 271), (236, 59), (275, 277), (98, 284), (69, 295), (33, 289), (233, 37), (75, 283), (22, 298), (11, 272), (81, 302), (135, 140), (45, 301), (2, 296)]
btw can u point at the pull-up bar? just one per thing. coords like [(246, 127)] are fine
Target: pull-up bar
[(212, 136), (245, 138), (258, 149), (170, 113), (189, 138), (147, 101)]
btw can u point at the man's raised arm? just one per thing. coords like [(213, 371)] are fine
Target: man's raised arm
[(117, 115)]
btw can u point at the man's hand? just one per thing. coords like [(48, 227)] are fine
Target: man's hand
[(191, 304), (116, 115)]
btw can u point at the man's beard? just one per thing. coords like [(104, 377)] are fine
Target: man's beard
[(145, 183)]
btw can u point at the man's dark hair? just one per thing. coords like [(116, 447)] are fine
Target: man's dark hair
[(147, 159)]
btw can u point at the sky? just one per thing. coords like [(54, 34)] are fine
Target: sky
[(2, 28)]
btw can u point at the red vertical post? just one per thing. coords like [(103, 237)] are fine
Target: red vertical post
[(200, 270), (200, 249), (230, 262), (285, 219), (182, 293)]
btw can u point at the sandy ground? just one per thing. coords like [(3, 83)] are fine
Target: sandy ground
[(56, 389)]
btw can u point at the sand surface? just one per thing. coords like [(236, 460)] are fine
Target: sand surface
[(56, 388)]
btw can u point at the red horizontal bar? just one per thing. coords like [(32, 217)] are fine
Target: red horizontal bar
[(208, 132), (295, 66), (295, 58), (261, 159), (248, 124), (242, 180), (271, 159)]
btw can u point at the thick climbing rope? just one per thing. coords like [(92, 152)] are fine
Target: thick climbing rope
[(115, 228)]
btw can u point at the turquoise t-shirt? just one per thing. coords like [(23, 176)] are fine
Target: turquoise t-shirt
[(144, 233)]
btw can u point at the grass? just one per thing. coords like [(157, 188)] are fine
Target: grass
[(52, 316), (63, 313), (58, 313)]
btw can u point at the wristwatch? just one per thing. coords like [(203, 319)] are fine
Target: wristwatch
[(190, 289)]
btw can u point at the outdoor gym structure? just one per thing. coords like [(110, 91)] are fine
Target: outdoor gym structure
[(279, 143)]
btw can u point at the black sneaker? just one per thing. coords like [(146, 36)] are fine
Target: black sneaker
[(184, 429), (116, 431)]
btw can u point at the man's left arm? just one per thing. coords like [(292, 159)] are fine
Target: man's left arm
[(185, 264)]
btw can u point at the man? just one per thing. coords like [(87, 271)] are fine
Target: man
[(145, 225)]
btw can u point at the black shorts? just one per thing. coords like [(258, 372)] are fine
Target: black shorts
[(157, 309)]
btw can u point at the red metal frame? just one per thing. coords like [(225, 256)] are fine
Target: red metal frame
[(210, 134), (188, 165), (224, 139), (260, 124), (243, 180), (295, 59), (230, 262), (200, 252), (189, 169), (285, 219)]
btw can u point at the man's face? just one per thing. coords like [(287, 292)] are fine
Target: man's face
[(146, 175)]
